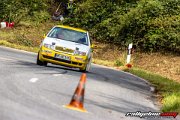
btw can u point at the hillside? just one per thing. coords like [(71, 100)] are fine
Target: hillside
[(152, 25)]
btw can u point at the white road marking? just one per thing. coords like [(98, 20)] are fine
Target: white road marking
[(33, 80), (56, 75), (6, 59)]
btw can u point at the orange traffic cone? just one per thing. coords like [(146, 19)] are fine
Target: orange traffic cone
[(78, 97)]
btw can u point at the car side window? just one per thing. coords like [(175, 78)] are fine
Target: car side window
[(54, 33)]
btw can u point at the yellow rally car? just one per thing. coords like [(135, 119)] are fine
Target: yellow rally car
[(66, 46)]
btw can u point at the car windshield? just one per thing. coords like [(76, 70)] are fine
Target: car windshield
[(69, 35)]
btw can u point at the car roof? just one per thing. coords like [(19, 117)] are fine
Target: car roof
[(71, 28)]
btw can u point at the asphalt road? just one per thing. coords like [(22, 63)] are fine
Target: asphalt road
[(31, 92)]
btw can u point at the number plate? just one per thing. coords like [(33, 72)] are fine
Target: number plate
[(63, 57)]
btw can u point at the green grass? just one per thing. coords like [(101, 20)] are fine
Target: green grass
[(171, 102), (103, 62), (168, 89), (21, 47)]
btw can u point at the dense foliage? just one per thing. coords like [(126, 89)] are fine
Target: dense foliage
[(17, 10), (152, 25)]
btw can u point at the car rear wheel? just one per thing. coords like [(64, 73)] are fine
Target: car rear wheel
[(39, 62)]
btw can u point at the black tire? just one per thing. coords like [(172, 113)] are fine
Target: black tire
[(39, 62), (45, 63), (83, 70), (86, 70)]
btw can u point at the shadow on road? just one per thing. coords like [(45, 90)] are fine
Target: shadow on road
[(109, 76), (97, 73)]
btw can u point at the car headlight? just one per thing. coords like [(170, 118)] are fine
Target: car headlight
[(76, 52), (49, 46)]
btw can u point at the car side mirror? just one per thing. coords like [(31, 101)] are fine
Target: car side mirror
[(92, 46), (44, 35)]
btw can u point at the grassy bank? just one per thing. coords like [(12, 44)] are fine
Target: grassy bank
[(168, 89), (20, 47)]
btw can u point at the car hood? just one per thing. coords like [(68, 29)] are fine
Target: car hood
[(66, 44)]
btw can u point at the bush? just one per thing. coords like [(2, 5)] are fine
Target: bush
[(151, 25), (23, 40), (13, 10)]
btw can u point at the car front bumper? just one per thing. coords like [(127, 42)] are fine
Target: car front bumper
[(48, 55)]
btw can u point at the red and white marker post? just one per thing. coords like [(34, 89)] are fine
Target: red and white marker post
[(129, 53), (3, 24)]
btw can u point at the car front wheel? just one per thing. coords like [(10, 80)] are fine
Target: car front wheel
[(87, 67), (39, 62)]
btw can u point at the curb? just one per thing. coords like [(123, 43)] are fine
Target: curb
[(18, 50)]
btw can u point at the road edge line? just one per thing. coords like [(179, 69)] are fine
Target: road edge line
[(18, 50)]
